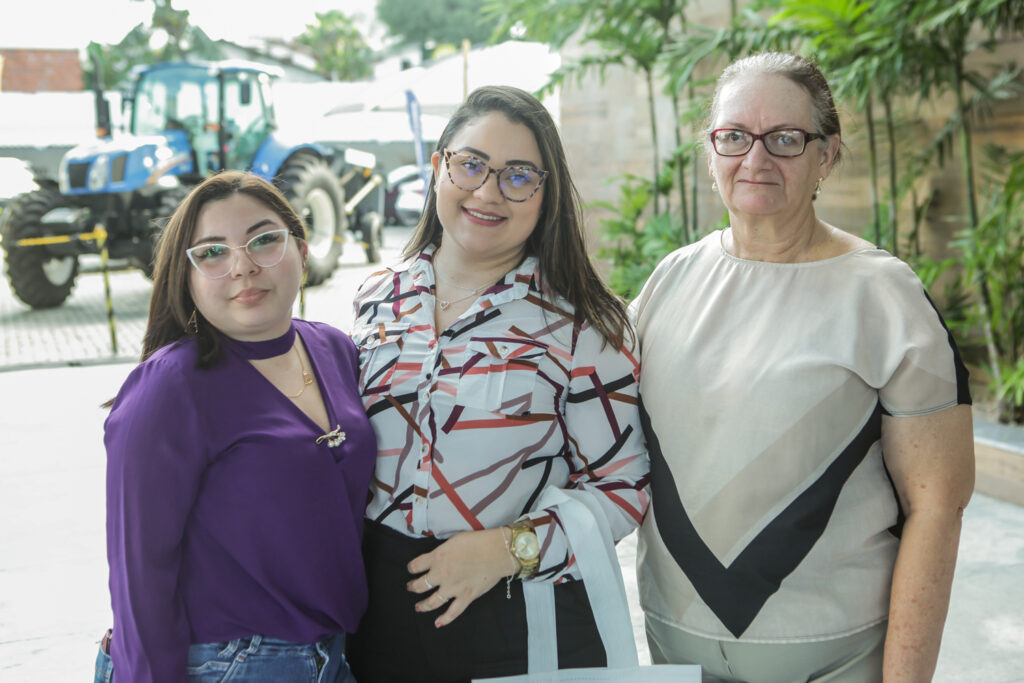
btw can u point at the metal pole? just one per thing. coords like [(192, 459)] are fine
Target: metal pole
[(101, 237)]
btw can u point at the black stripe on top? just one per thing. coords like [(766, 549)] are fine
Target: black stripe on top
[(738, 592), (963, 391)]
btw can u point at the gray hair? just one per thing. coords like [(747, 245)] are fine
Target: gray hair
[(797, 69)]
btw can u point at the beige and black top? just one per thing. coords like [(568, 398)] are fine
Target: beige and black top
[(763, 387)]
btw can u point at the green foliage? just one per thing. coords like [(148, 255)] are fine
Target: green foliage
[(633, 241), (339, 48), (993, 254), (169, 37), (1012, 391), (431, 23), (635, 245)]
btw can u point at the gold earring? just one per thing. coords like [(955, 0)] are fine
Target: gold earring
[(714, 186), (817, 189), (192, 326)]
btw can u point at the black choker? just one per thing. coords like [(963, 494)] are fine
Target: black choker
[(258, 350)]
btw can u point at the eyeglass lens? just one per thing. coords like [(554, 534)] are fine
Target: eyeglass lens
[(516, 183), (787, 142), (216, 260)]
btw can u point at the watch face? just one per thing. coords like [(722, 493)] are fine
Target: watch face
[(527, 547)]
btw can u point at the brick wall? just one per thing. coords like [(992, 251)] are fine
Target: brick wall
[(40, 71)]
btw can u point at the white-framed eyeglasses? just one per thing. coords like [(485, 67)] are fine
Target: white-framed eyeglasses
[(469, 173), (216, 260)]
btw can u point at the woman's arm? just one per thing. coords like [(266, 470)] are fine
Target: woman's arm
[(931, 461), (605, 439), (154, 444)]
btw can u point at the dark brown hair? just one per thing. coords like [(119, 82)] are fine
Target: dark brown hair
[(558, 240), (171, 304)]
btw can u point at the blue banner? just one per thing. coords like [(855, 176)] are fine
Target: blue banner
[(413, 107)]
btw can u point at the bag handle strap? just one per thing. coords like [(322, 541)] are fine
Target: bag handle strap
[(590, 538)]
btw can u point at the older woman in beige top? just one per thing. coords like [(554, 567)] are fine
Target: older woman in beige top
[(807, 416)]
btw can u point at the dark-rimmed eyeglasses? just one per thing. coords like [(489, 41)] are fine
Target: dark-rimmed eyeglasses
[(469, 173), (782, 142), (216, 260)]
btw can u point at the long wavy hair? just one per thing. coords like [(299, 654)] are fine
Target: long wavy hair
[(558, 239), (171, 304)]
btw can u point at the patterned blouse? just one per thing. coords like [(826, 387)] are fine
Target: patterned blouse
[(514, 396)]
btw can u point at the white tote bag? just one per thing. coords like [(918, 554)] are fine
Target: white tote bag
[(591, 541)]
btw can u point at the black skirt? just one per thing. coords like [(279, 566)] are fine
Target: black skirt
[(395, 643)]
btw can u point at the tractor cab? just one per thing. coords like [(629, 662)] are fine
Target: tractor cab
[(225, 109), (185, 120)]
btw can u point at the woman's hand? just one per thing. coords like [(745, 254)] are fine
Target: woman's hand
[(460, 570)]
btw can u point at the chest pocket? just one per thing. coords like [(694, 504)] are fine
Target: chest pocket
[(380, 352), (500, 374)]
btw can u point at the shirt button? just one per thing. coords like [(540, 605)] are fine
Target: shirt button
[(429, 376)]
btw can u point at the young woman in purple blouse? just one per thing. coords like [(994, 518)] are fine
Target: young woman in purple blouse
[(238, 460)]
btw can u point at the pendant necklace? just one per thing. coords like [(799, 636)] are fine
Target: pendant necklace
[(307, 378), (446, 303)]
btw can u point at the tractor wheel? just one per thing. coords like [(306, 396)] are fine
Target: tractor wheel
[(167, 203), (37, 277), (373, 236), (317, 196)]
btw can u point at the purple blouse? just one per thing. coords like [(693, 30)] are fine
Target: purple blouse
[(225, 517)]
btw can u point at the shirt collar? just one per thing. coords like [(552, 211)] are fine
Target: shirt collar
[(515, 285)]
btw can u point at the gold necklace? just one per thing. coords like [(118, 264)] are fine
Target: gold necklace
[(444, 303), (307, 378)]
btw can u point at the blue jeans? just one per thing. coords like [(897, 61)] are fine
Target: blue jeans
[(258, 659)]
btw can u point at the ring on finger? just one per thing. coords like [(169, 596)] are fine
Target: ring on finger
[(426, 581)]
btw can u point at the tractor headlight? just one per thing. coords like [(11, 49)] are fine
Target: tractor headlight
[(98, 173)]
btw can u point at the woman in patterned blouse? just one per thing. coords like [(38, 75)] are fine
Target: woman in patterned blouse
[(494, 362)]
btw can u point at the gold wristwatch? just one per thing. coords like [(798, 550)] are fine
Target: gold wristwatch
[(525, 547)]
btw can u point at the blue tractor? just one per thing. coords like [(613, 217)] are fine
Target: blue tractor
[(184, 121)]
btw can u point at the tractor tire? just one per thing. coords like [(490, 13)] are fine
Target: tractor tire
[(318, 197), (373, 236), (38, 278), (167, 204)]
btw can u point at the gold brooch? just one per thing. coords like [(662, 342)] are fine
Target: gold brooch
[(333, 437)]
